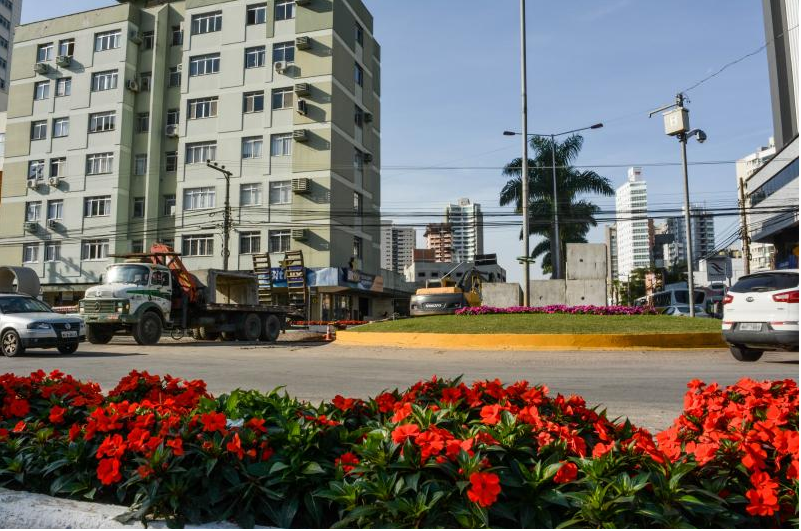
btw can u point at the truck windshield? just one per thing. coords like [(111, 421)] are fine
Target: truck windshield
[(129, 274)]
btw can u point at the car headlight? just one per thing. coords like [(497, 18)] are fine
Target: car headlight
[(39, 326)]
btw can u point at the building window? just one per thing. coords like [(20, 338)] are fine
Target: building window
[(284, 9), (358, 203), (44, 52), (102, 121), (143, 122), (4, 43), (200, 152), (203, 65), (252, 147), (169, 205), (145, 80), (358, 116), (39, 130), (358, 74), (284, 51), (53, 252), (148, 39), (3, 64), (41, 90), (199, 245), (278, 241), (253, 102), (36, 169), (61, 127), (33, 210), (171, 161), (257, 14), (108, 40), (94, 249), (30, 253), (177, 36), (58, 167), (206, 23), (139, 207), (281, 145), (202, 108), (55, 209), (282, 98), (140, 164), (249, 243), (255, 57), (66, 47), (359, 35), (250, 194), (4, 22), (173, 116), (104, 81), (281, 192), (199, 198), (97, 206), (138, 246), (175, 77), (99, 163), (63, 87), (357, 247)]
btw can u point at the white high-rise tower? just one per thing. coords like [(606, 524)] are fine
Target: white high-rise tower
[(631, 202), (467, 223)]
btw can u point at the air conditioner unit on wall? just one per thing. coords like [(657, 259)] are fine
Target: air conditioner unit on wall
[(135, 37), (300, 234), (301, 186), (52, 224), (303, 43), (132, 85), (368, 117), (63, 60), (33, 184), (54, 181), (302, 2), (368, 158), (300, 135), (171, 131), (303, 107), (41, 68), (31, 226), (281, 66)]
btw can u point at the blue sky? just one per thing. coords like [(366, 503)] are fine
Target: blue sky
[(451, 82)]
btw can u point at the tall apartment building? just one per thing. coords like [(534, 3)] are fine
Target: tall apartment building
[(661, 240), (610, 237), (439, 238), (114, 112), (397, 246), (631, 205), (10, 12), (702, 232), (762, 254), (467, 223)]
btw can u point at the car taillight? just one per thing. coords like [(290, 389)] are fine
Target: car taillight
[(727, 299), (787, 296)]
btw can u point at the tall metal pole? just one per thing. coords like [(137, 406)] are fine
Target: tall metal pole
[(524, 168), (744, 222), (687, 228), (227, 214), (557, 246)]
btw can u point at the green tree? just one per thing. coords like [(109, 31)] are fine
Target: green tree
[(576, 216)]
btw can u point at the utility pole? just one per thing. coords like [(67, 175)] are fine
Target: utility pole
[(744, 223), (227, 214), (557, 246), (524, 165)]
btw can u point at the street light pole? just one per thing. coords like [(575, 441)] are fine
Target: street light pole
[(227, 214), (524, 165), (687, 228), (557, 246)]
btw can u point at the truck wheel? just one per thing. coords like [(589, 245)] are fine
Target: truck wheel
[(249, 329), (12, 344), (204, 334), (271, 329), (741, 353), (99, 334), (228, 336), (148, 330)]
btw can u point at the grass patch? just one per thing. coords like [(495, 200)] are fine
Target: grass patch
[(545, 324)]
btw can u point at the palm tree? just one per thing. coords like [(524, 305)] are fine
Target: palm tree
[(576, 216)]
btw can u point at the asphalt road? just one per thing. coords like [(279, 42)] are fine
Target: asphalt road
[(645, 386)]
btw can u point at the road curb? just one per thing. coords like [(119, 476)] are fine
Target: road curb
[(700, 340)]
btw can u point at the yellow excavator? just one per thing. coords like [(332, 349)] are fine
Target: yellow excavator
[(446, 295)]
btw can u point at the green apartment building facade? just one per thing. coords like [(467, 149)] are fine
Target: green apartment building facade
[(114, 112)]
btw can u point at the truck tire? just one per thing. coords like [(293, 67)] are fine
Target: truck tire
[(271, 328), (228, 336), (249, 329), (12, 344), (148, 330), (99, 334), (204, 334), (741, 353)]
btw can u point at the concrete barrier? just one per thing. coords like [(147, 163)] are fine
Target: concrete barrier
[(501, 294)]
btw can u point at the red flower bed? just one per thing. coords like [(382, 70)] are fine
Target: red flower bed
[(439, 454)]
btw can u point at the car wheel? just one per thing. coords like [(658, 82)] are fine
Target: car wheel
[(69, 348), (148, 330), (741, 353), (271, 329), (99, 334), (11, 344)]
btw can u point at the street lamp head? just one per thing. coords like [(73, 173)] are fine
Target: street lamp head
[(509, 133), (700, 136), (596, 126)]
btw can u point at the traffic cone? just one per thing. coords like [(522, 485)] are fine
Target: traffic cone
[(328, 335)]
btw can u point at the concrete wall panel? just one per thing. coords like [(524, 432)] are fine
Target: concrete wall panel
[(586, 261), (586, 292), (547, 292), (501, 295)]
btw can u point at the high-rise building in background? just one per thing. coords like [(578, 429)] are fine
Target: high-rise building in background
[(397, 246), (631, 205), (467, 223), (10, 12), (702, 232), (439, 238), (114, 112), (610, 236), (762, 254), (662, 238)]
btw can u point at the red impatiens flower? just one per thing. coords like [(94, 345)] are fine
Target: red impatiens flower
[(484, 488), (402, 411), (144, 471), (430, 443), (342, 403), (57, 414), (256, 425), (235, 446), (3, 434), (19, 427), (404, 432), (108, 471), (762, 498), (491, 414), (347, 461), (177, 446), (18, 408), (75, 430), (451, 394), (385, 402), (213, 421), (112, 446), (567, 473)]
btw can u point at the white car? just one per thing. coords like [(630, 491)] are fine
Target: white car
[(26, 322), (684, 311), (760, 312)]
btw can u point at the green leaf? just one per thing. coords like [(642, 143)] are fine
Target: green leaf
[(313, 468)]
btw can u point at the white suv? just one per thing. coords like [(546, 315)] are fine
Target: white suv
[(760, 312)]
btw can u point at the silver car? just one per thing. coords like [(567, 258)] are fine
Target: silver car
[(26, 322)]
